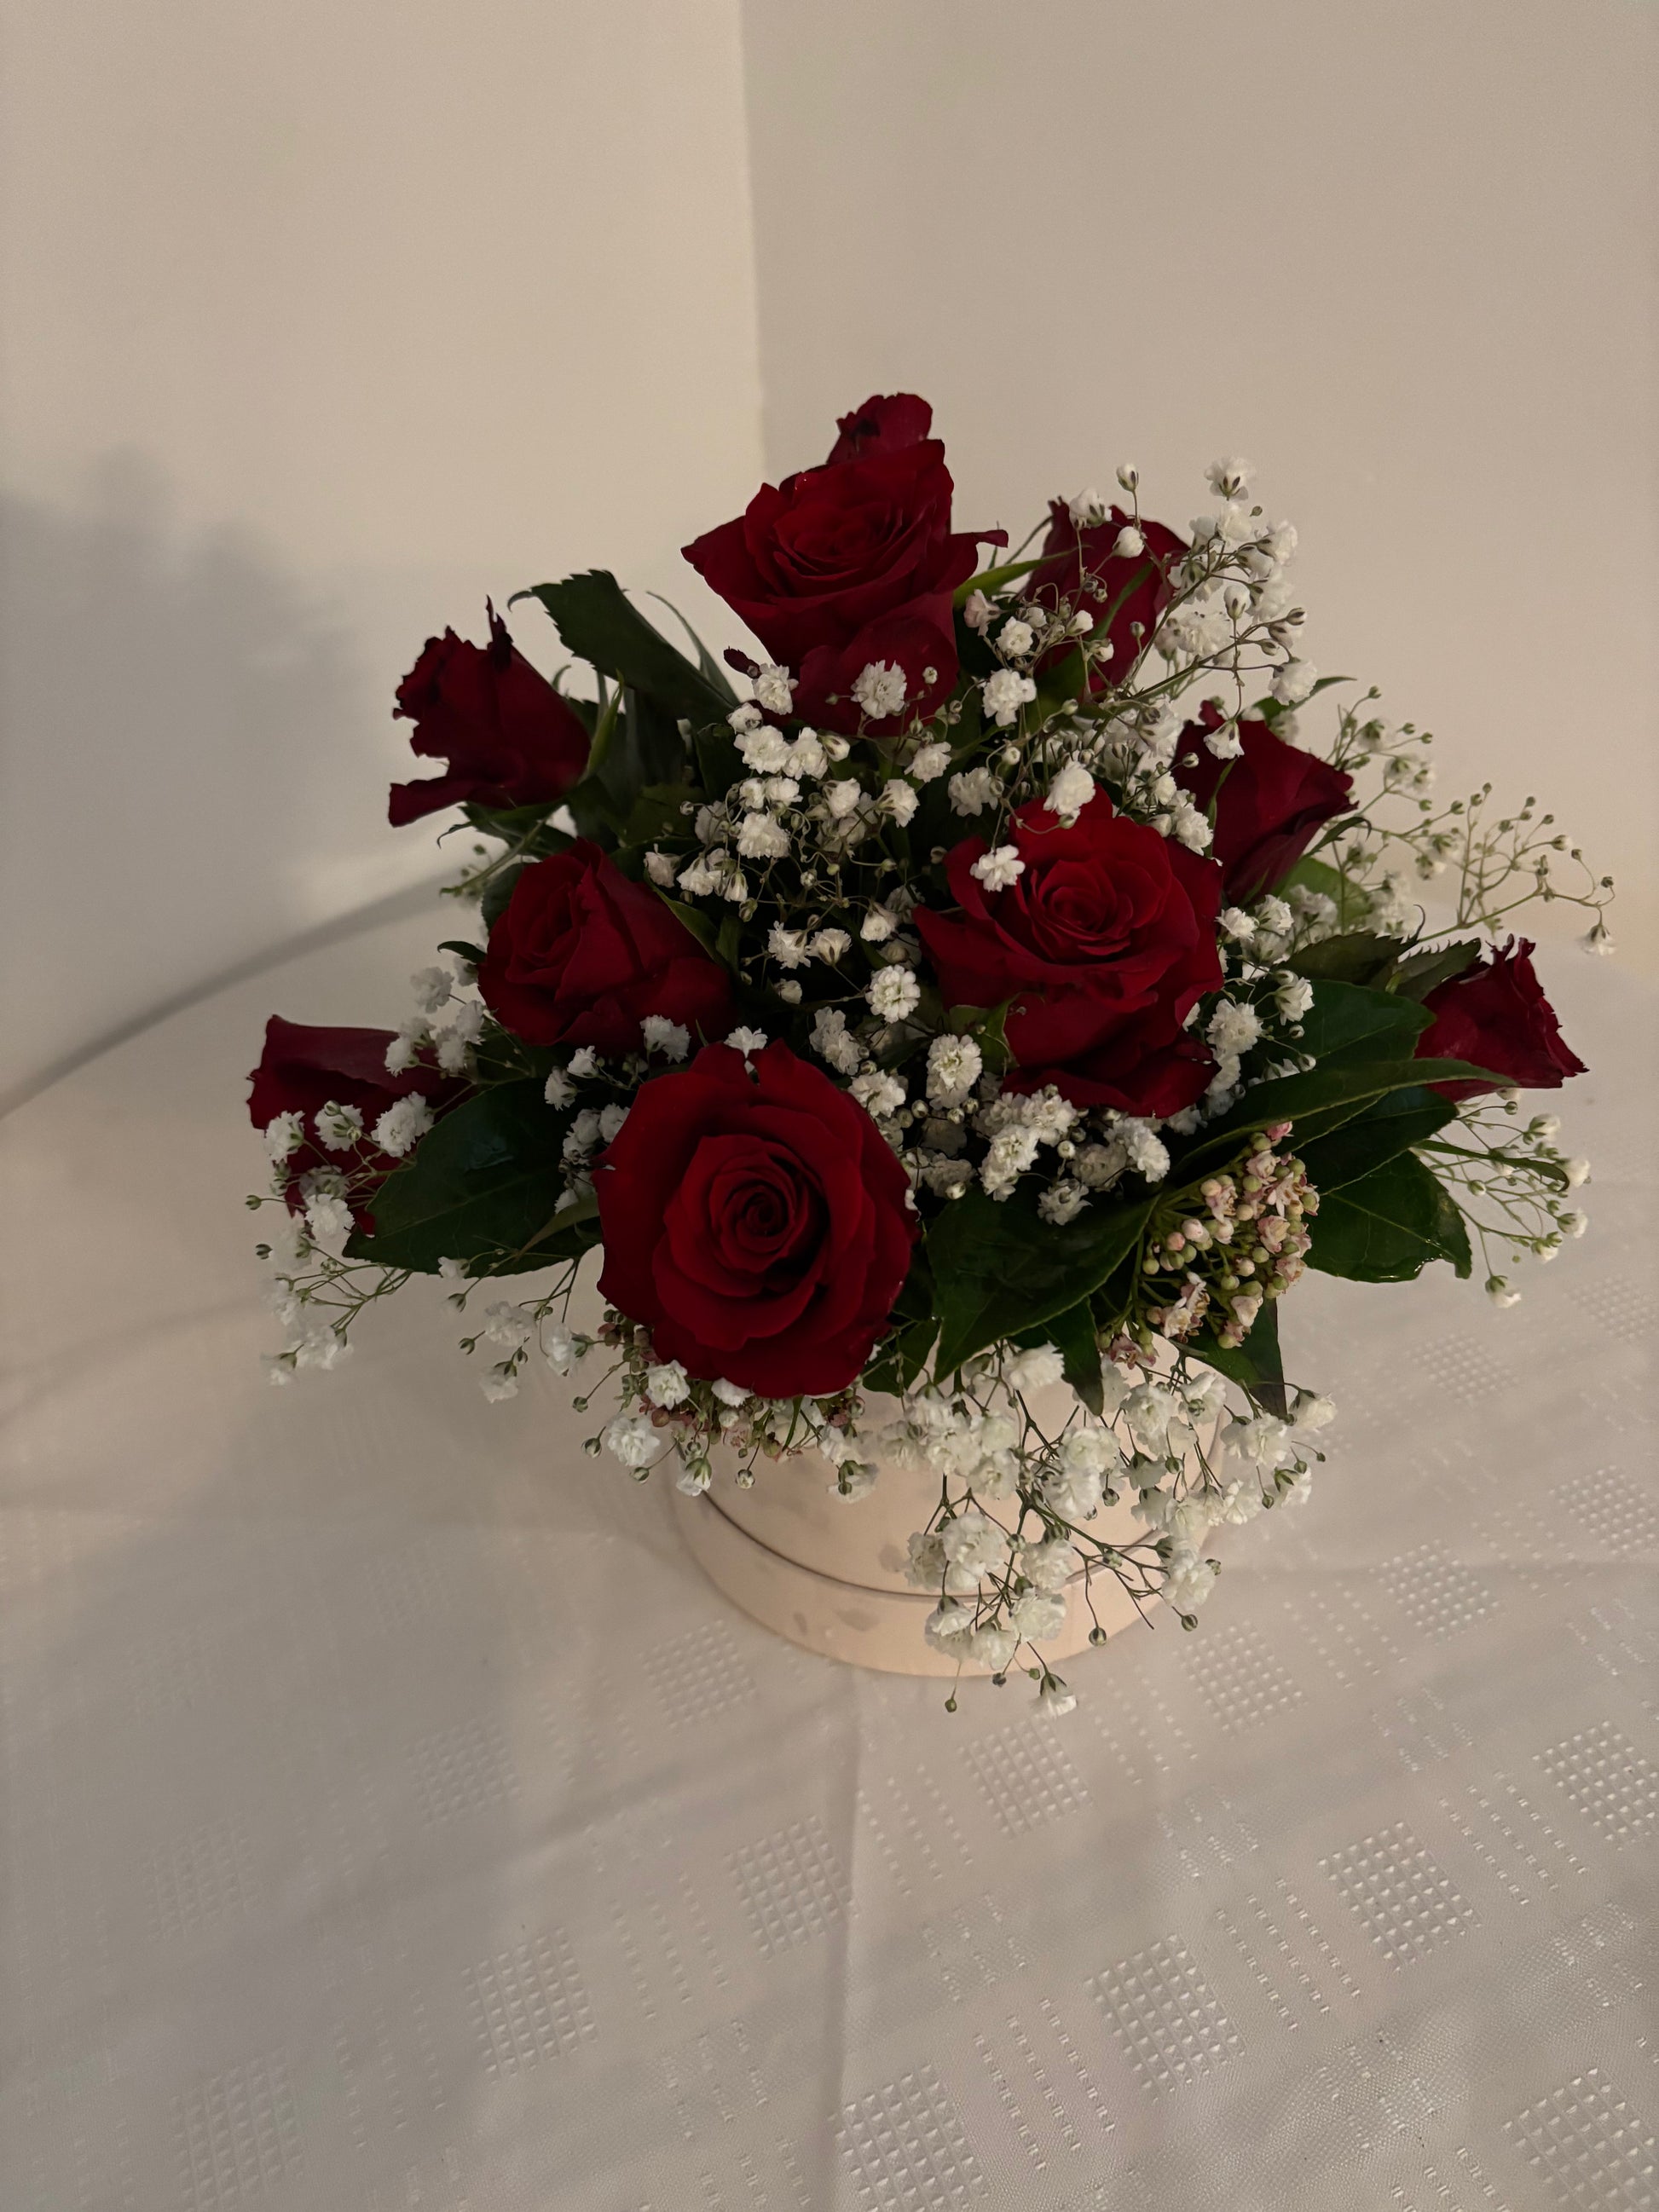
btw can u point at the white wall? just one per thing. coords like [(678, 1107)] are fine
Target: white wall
[(1397, 251), (321, 320)]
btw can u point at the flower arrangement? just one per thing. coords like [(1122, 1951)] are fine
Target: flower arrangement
[(1003, 991)]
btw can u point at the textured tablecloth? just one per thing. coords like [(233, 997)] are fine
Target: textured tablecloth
[(395, 1819)]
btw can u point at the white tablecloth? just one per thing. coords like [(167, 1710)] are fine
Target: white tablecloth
[(395, 1819)]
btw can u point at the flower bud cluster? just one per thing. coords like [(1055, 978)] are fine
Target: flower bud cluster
[(1242, 1241)]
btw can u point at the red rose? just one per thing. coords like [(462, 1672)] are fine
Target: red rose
[(1079, 565), (757, 1224), (1495, 1015), (303, 1069), (580, 954), (1270, 801), (822, 567), (1104, 944), (509, 739)]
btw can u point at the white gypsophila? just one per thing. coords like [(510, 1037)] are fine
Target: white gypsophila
[(328, 1213), (925, 1567), (1262, 1440), (1294, 998), (339, 1128), (1048, 1565), (1228, 479), (558, 1090), (506, 1324), (288, 1243), (893, 993), (561, 1349), (899, 799), (1190, 826), (1147, 1154), (1187, 1584), (283, 1133), (880, 690), (745, 1040), (1034, 1369), (1241, 1501), (1015, 639), (1070, 791), (1311, 1411), (1234, 1028), (765, 751), (402, 1125), (879, 1094), (632, 1438), (1054, 1699), (971, 790), (431, 987), (807, 755), (731, 1393), (842, 796), (948, 1178), (611, 1118), (1073, 1493), (1295, 681), (745, 717), (998, 868), (929, 761), (974, 1544), (403, 1050), (1005, 693), (1225, 744), (667, 1386), (762, 837), (948, 1625), (659, 1034), (1234, 922), (1275, 917), (499, 1385), (1062, 1202), (582, 1135), (877, 927), (660, 867), (992, 1646), (1093, 1451), (788, 946), (1150, 1413), (1086, 507), (780, 790), (979, 612), (833, 1042), (455, 1040), (700, 879), (1050, 1114), (954, 1067), (1038, 1616), (828, 944), (1010, 1153), (774, 689), (1128, 544)]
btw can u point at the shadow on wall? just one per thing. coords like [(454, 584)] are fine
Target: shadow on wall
[(190, 746)]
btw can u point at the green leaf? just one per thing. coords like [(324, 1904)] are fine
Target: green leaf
[(701, 924), (1255, 1366), (1073, 1335), (1388, 1225), (471, 953), (1360, 957), (655, 813), (1349, 1022), (710, 668), (481, 1185), (1351, 901), (600, 623), (496, 893), (993, 579), (903, 1358), (999, 1269), (1389, 1125), (1316, 1102), (604, 730), (1435, 965)]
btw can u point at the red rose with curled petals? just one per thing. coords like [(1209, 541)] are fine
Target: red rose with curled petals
[(823, 566), (1080, 564), (580, 954), (1104, 944), (1495, 1015), (302, 1069), (757, 1224), (1270, 801), (509, 739)]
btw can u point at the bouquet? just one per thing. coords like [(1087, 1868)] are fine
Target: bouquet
[(1012, 980)]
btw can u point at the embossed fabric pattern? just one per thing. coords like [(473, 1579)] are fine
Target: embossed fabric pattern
[(395, 1819)]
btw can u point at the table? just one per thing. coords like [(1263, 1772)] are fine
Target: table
[(395, 1819)]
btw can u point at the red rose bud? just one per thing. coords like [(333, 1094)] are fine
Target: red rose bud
[(1082, 565), (1104, 943), (509, 739), (757, 1224), (580, 954), (1270, 802), (303, 1069), (882, 426), (814, 563), (1495, 1015)]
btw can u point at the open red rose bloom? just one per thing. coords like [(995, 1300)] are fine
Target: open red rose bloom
[(1019, 980)]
